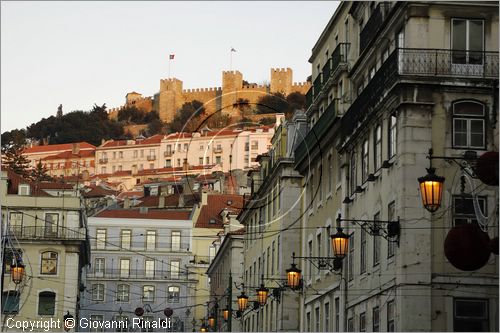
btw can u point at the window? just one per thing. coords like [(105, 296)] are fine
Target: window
[(46, 303), (124, 267), (467, 41), (362, 261), (320, 185), (114, 155), (120, 154), (135, 153), (16, 222), (310, 248), (23, 189), (149, 268), (364, 161), (123, 293), (148, 325), (120, 168), (362, 322), (311, 190), (391, 211), (377, 148), (201, 147), (318, 249), (375, 320), (308, 322), (51, 224), (150, 240), (173, 294), (463, 209), (392, 136), (207, 160), (351, 258), (468, 125), (376, 240), (352, 178), (122, 323), (103, 169), (337, 314), (185, 147), (470, 315), (218, 160), (48, 263), (125, 239), (327, 317), (330, 174), (168, 163), (200, 160), (174, 269), (350, 324), (96, 319), (10, 302), (99, 267), (101, 239), (390, 316), (211, 253), (327, 241), (98, 292), (176, 240), (148, 293), (317, 319)]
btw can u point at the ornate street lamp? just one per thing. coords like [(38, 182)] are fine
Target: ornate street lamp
[(262, 294), (431, 189), (68, 321), (242, 301), (340, 244), (17, 271), (225, 314), (293, 275), (203, 327), (211, 321)]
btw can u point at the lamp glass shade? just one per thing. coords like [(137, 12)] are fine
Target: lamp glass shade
[(340, 244), (262, 294), (293, 275), (242, 301), (17, 272), (431, 189), (225, 314), (203, 328), (211, 321)]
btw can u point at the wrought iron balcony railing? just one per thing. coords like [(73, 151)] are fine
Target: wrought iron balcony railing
[(47, 233), (309, 97), (151, 157), (317, 85), (217, 150), (371, 27), (168, 153), (103, 160), (138, 244), (339, 55), (117, 273)]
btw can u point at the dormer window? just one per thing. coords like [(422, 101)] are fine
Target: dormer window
[(211, 221), (23, 189)]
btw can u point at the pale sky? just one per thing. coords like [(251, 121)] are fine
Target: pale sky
[(80, 53)]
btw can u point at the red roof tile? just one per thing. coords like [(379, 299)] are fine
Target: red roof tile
[(99, 192), (58, 147), (131, 194), (157, 214), (171, 200), (117, 143), (215, 204), (69, 154)]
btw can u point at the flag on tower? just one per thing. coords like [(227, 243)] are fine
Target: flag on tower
[(171, 57), (233, 50)]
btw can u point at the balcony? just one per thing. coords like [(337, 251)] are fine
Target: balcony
[(318, 131), (415, 64), (217, 150), (168, 153), (372, 27), (47, 233), (317, 85), (309, 98), (116, 273), (151, 157), (103, 160), (339, 56)]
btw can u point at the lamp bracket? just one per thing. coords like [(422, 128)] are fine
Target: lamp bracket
[(323, 263), (466, 163), (391, 233)]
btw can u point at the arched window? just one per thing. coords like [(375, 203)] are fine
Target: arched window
[(49, 263), (46, 303), (469, 119)]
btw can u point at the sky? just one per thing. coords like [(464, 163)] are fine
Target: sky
[(80, 53)]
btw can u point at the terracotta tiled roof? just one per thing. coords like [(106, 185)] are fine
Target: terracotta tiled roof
[(171, 200), (15, 180), (157, 214), (69, 154), (58, 147), (215, 204), (98, 192), (131, 194), (237, 232), (118, 143), (54, 186)]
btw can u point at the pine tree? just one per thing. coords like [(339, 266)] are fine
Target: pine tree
[(39, 173), (13, 158)]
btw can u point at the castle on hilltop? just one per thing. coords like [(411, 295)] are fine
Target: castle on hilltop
[(172, 96)]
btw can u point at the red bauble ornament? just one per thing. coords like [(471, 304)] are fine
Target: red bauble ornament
[(494, 245), (168, 312), (487, 168), (139, 311), (467, 247)]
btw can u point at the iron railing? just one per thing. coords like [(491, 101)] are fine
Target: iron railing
[(317, 85), (50, 232), (327, 70), (116, 273), (339, 55), (309, 98), (151, 157), (139, 245), (371, 27), (103, 160)]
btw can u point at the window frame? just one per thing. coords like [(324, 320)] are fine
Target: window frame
[(485, 319), (468, 119), (464, 216), (377, 148), (392, 136), (47, 294), (391, 316), (101, 244), (148, 293), (98, 292), (391, 246), (49, 260), (171, 294), (124, 241), (123, 293)]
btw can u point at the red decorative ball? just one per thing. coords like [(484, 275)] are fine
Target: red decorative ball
[(139, 311), (168, 312), (467, 247), (494, 245), (487, 168)]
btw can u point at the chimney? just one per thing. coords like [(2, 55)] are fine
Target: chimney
[(161, 201), (126, 203), (75, 148), (204, 198), (181, 200)]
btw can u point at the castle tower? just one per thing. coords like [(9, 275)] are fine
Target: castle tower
[(281, 80), (170, 98), (232, 82)]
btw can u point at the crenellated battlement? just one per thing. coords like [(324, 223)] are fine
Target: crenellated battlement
[(195, 90), (281, 70), (231, 72), (254, 86), (301, 84)]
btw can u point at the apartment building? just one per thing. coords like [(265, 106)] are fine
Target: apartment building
[(271, 217), (390, 81), (139, 260), (46, 233)]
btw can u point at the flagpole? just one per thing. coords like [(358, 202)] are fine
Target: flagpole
[(169, 61), (231, 60)]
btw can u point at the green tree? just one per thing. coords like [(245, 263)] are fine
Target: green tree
[(273, 103), (188, 117), (267, 121), (15, 136), (296, 100), (13, 158), (155, 127), (131, 114), (39, 173), (243, 105)]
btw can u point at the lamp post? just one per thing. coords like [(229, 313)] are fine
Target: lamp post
[(242, 301), (17, 271), (431, 189)]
